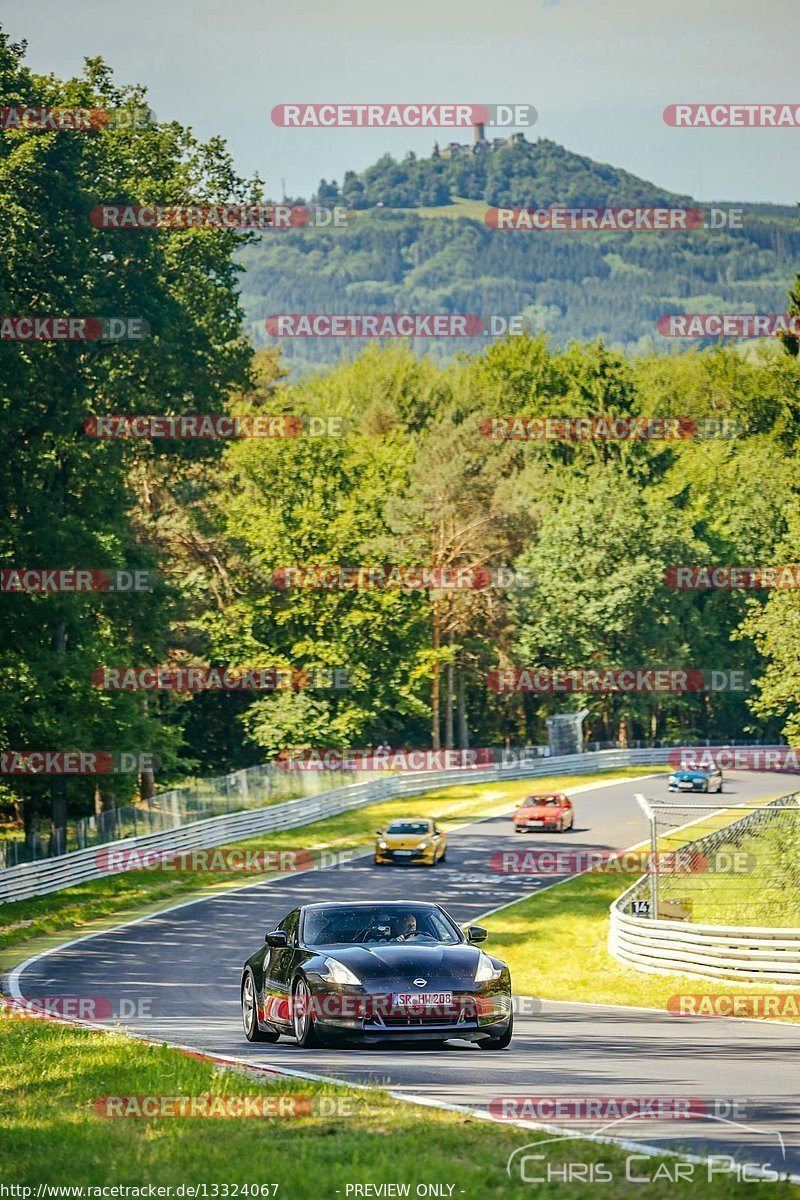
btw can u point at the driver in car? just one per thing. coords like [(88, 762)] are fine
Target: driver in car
[(407, 928)]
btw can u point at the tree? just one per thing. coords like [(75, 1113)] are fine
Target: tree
[(71, 499)]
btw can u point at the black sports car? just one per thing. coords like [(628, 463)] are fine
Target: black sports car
[(375, 972)]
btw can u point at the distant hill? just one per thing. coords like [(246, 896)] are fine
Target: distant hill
[(417, 242), (513, 171)]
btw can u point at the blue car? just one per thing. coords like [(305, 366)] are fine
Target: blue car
[(695, 781)]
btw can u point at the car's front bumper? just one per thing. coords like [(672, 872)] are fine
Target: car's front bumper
[(406, 858), (372, 1017), (437, 1033)]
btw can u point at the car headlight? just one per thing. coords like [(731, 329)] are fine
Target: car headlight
[(337, 972), (382, 845), (423, 845), (486, 969), (672, 779)]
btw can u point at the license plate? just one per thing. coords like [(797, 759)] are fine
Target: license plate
[(686, 786), (536, 822), (421, 999), (402, 853)]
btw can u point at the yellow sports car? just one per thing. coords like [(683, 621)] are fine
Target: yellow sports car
[(411, 840)]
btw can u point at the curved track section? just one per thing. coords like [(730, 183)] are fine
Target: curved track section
[(177, 975)]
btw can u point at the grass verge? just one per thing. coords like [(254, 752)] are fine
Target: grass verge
[(51, 1076)]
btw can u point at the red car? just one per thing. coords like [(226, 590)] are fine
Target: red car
[(553, 811)]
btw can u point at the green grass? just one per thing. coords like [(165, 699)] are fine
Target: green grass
[(137, 892), (461, 207), (758, 882), (50, 1077), (556, 944)]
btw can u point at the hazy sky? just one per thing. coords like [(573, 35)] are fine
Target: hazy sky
[(599, 73)]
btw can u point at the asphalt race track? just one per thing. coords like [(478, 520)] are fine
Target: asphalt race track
[(186, 965)]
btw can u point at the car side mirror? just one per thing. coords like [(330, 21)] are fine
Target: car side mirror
[(277, 938), (476, 933)]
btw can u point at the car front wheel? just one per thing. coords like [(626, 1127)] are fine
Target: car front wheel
[(503, 1041)]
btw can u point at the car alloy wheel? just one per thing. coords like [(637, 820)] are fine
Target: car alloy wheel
[(248, 1007), (303, 1022)]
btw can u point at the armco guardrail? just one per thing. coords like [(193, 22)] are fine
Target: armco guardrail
[(53, 874), (750, 953), (199, 800)]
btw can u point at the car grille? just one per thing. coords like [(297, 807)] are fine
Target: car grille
[(417, 1022)]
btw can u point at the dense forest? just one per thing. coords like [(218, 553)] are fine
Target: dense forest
[(413, 479)]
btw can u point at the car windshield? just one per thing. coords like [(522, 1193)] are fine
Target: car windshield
[(418, 827), (339, 925), (542, 801)]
